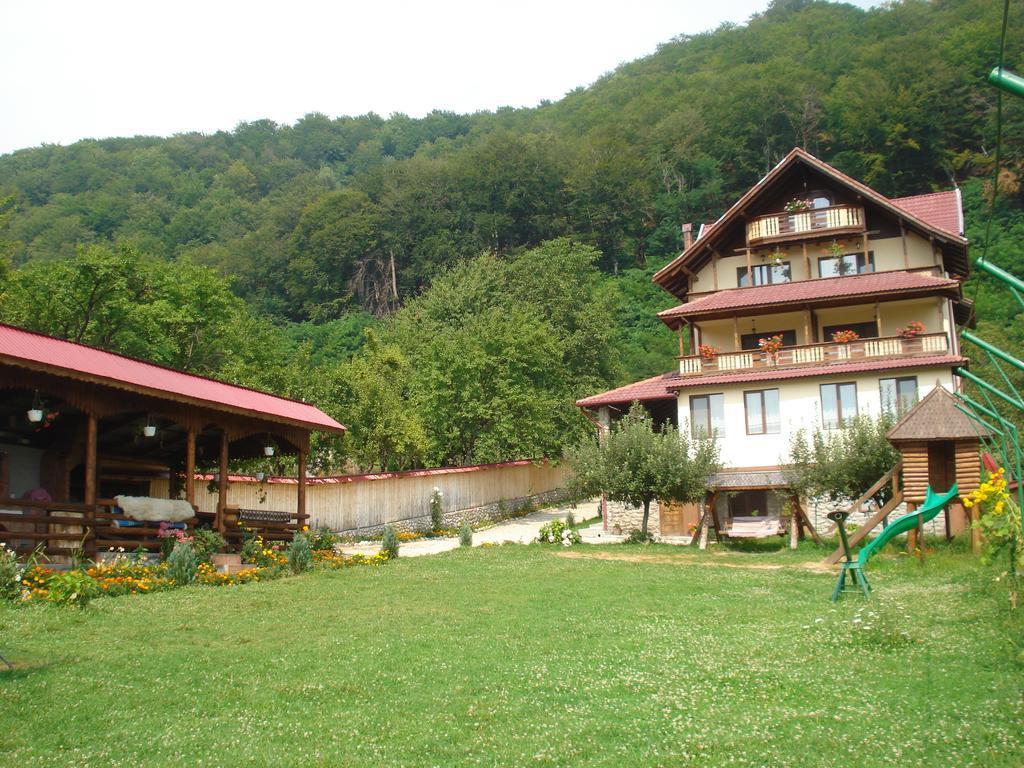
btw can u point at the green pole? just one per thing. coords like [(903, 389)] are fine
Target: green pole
[(1008, 358), (985, 385), (1007, 81)]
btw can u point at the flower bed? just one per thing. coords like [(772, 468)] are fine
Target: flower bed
[(131, 573)]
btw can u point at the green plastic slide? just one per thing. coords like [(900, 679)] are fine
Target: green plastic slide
[(933, 504)]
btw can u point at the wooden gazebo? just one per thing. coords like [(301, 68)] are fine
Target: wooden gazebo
[(79, 425), (940, 445)]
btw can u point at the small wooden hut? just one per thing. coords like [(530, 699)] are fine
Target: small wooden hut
[(940, 445)]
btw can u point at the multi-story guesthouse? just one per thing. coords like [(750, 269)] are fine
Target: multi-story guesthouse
[(812, 299)]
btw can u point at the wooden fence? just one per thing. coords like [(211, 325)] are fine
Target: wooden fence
[(351, 502)]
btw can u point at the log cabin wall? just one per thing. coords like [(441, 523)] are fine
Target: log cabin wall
[(915, 471), (968, 466)]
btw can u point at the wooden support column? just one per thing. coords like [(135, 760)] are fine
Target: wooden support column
[(807, 261), (865, 237), (913, 542), (91, 437), (903, 239), (807, 326), (878, 318), (750, 267), (300, 501), (222, 486), (714, 269), (190, 466), (736, 334)]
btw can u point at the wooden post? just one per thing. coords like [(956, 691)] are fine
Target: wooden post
[(912, 535), (714, 269), (91, 436), (750, 268), (735, 334), (300, 502), (903, 238), (807, 326), (222, 486), (878, 318), (190, 466), (794, 524), (807, 261), (865, 236), (975, 531)]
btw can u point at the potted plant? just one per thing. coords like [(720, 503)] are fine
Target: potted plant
[(777, 258), (911, 329), (797, 205), (845, 336), (707, 352), (771, 346)]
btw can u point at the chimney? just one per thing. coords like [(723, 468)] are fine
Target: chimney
[(687, 236)]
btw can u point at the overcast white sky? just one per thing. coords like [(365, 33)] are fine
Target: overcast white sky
[(74, 69)]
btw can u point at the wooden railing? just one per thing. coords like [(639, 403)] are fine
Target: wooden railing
[(779, 226), (65, 528), (817, 354)]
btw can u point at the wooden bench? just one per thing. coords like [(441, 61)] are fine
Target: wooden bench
[(272, 525)]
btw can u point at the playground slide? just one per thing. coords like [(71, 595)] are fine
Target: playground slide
[(933, 504)]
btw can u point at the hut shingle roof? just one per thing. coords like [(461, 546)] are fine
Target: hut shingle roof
[(936, 417)]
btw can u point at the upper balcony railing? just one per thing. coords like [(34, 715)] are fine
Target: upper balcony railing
[(783, 226), (816, 354)]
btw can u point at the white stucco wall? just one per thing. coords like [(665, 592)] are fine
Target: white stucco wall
[(799, 407)]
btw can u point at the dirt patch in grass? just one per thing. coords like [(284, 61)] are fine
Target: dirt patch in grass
[(690, 559)]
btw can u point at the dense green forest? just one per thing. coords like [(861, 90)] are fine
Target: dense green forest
[(353, 260)]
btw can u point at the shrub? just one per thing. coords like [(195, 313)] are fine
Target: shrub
[(71, 588), (436, 513), (205, 542), (300, 557), (323, 539), (10, 574), (638, 536), (389, 543), (557, 532), (169, 537), (570, 519), (465, 534), (182, 564), (256, 551)]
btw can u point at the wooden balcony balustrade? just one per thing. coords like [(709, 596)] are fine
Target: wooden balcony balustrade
[(776, 227), (924, 344)]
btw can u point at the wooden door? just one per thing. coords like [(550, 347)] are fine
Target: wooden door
[(941, 466), (676, 518)]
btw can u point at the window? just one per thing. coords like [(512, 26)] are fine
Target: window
[(750, 340), (707, 415), (819, 199), (748, 503), (762, 408), (764, 274), (838, 404), (898, 395), (848, 264), (868, 330)]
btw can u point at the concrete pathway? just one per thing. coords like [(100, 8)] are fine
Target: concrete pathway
[(519, 530)]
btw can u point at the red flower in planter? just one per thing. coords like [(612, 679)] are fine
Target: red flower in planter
[(845, 336)]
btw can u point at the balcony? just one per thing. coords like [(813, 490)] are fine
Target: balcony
[(923, 345), (776, 227)]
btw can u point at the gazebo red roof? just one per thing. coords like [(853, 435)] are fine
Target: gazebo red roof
[(811, 291), (38, 352)]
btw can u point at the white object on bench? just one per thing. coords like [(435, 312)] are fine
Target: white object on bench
[(755, 527), (155, 510)]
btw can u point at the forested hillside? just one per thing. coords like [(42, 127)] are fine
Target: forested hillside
[(262, 253)]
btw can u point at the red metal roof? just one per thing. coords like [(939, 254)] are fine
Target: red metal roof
[(665, 386), (811, 291), (940, 209), (34, 350), (654, 388)]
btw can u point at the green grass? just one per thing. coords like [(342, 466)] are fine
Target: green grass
[(514, 656)]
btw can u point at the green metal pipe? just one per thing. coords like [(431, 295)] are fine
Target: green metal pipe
[(999, 273), (975, 417), (1004, 356), (985, 385), (1007, 81), (992, 414)]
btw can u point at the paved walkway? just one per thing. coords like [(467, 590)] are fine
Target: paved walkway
[(519, 530)]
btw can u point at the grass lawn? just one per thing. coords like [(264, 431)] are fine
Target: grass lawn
[(614, 656)]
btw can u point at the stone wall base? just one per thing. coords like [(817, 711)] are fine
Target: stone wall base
[(499, 510), (628, 518)]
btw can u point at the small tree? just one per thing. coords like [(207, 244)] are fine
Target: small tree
[(300, 557), (637, 464), (465, 534), (436, 511), (840, 464), (389, 543)]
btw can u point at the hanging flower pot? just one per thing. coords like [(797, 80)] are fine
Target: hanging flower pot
[(149, 430), (35, 415), (268, 450), (260, 476)]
